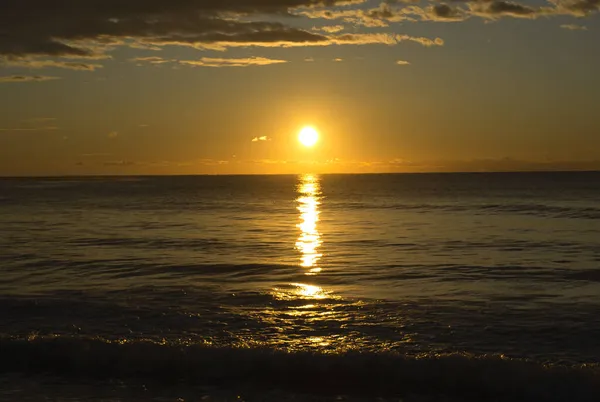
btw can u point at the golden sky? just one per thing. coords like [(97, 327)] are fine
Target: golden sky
[(220, 87)]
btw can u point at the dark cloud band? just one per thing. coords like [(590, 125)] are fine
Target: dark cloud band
[(62, 27)]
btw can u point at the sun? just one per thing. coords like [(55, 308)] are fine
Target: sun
[(308, 136)]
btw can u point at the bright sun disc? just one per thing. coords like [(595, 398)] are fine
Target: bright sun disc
[(308, 136)]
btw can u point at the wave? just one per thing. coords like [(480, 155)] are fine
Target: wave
[(350, 373), (155, 243), (136, 267), (533, 209)]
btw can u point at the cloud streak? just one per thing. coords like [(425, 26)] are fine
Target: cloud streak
[(26, 78), (332, 28), (28, 129), (155, 60), (574, 27), (34, 124), (222, 62), (38, 64)]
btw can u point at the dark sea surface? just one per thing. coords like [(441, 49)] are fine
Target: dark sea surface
[(426, 287)]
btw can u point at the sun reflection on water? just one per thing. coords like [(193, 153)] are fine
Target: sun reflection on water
[(308, 316), (309, 241), (299, 291)]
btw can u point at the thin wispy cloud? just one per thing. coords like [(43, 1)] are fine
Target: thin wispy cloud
[(96, 155), (154, 60), (16, 129), (574, 27), (332, 28), (402, 63), (33, 124), (261, 139), (42, 119), (120, 163), (223, 62), (26, 78), (39, 64), (427, 42)]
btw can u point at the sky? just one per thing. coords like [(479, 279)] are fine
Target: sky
[(127, 87)]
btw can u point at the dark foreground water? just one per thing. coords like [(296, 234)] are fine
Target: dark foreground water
[(429, 287)]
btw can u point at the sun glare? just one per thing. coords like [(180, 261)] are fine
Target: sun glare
[(308, 136)]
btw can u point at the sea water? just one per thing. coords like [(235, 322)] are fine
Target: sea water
[(482, 286)]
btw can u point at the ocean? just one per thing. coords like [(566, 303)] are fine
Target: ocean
[(413, 287)]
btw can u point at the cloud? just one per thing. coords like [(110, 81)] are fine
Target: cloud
[(113, 134), (119, 163), (393, 11), (88, 28), (222, 62), (356, 39), (34, 124), (338, 60), (26, 78), (50, 128), (387, 13), (404, 1), (70, 34), (375, 17), (474, 165), (41, 119), (578, 8), (96, 155), (498, 8), (37, 63), (509, 164), (364, 39), (332, 28), (309, 59), (260, 139), (151, 60), (402, 63), (443, 12), (423, 41), (574, 27)]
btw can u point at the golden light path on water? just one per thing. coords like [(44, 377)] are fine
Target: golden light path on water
[(306, 315), (317, 305), (309, 192)]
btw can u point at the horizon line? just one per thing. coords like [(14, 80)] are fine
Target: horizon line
[(289, 174)]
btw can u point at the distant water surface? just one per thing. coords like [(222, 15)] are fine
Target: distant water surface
[(417, 268)]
